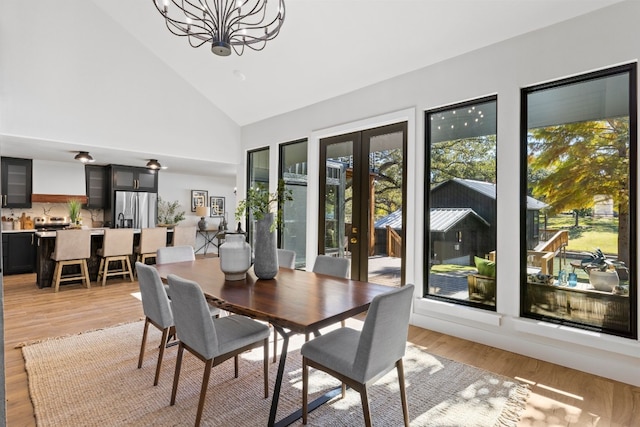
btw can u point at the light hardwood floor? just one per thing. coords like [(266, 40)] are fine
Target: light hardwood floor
[(560, 396)]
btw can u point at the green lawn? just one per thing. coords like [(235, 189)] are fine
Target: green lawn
[(591, 233)]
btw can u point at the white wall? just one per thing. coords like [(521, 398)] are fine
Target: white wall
[(91, 83), (598, 40), (58, 178), (178, 187)]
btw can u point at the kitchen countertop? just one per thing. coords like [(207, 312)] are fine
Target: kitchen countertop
[(94, 232), (31, 230)]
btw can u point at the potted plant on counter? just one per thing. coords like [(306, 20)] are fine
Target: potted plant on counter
[(75, 206), (260, 205)]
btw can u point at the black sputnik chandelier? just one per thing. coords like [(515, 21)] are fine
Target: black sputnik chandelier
[(226, 24)]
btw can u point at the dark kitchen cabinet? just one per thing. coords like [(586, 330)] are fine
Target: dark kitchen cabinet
[(16, 182), (130, 178), (18, 253), (96, 184)]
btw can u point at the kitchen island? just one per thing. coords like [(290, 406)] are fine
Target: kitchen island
[(45, 243)]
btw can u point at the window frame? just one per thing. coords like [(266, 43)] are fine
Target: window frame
[(427, 202), (631, 70)]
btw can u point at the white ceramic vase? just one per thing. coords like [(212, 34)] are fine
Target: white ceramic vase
[(604, 280), (235, 257)]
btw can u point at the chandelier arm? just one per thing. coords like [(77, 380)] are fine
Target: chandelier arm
[(203, 9), (222, 23), (257, 8), (176, 28), (269, 35)]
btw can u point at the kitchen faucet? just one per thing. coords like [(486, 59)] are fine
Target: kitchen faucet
[(121, 220)]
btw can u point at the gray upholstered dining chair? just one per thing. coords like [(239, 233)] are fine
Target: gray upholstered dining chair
[(157, 311), (286, 258), (211, 340), (332, 266), (175, 254), (360, 358)]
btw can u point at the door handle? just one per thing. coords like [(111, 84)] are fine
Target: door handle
[(354, 240)]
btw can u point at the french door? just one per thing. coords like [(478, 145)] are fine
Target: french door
[(362, 192)]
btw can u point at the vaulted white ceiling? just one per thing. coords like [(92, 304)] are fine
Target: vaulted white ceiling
[(330, 47), (113, 72)]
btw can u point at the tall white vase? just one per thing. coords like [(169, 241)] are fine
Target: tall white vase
[(235, 257)]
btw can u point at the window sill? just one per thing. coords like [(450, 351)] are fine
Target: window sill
[(456, 313), (591, 339)]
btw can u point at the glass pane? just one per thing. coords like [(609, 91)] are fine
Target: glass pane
[(338, 198), (462, 203), (385, 210), (258, 166), (293, 159), (578, 204)]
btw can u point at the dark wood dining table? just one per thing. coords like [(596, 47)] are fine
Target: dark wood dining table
[(294, 302)]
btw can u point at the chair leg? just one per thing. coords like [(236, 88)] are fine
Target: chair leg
[(203, 390), (100, 272), (236, 366), (305, 390), (144, 342), (403, 392), (176, 376), (104, 269), (275, 344), (128, 262), (365, 406), (165, 333), (85, 272), (266, 367), (56, 276)]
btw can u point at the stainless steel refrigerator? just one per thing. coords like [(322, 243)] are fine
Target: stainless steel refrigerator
[(135, 209)]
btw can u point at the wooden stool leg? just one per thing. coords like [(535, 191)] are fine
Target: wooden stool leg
[(85, 271), (56, 276), (100, 269), (129, 267), (105, 270)]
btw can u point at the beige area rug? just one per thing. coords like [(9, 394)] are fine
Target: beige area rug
[(92, 379)]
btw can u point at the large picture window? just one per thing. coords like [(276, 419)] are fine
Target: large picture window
[(461, 198), (293, 171), (578, 169), (257, 177)]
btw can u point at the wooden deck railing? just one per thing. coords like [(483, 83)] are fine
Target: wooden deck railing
[(554, 240), (394, 243)]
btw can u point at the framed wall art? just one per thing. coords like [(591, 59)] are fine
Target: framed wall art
[(198, 198), (217, 206)]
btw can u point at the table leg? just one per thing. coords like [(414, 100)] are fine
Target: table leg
[(296, 415), (278, 384)]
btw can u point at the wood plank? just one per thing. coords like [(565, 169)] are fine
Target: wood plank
[(57, 198), (560, 396)]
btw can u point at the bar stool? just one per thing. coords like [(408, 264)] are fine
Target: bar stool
[(150, 240), (117, 245), (184, 236), (72, 247)]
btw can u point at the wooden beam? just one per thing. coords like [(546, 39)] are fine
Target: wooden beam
[(57, 198)]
